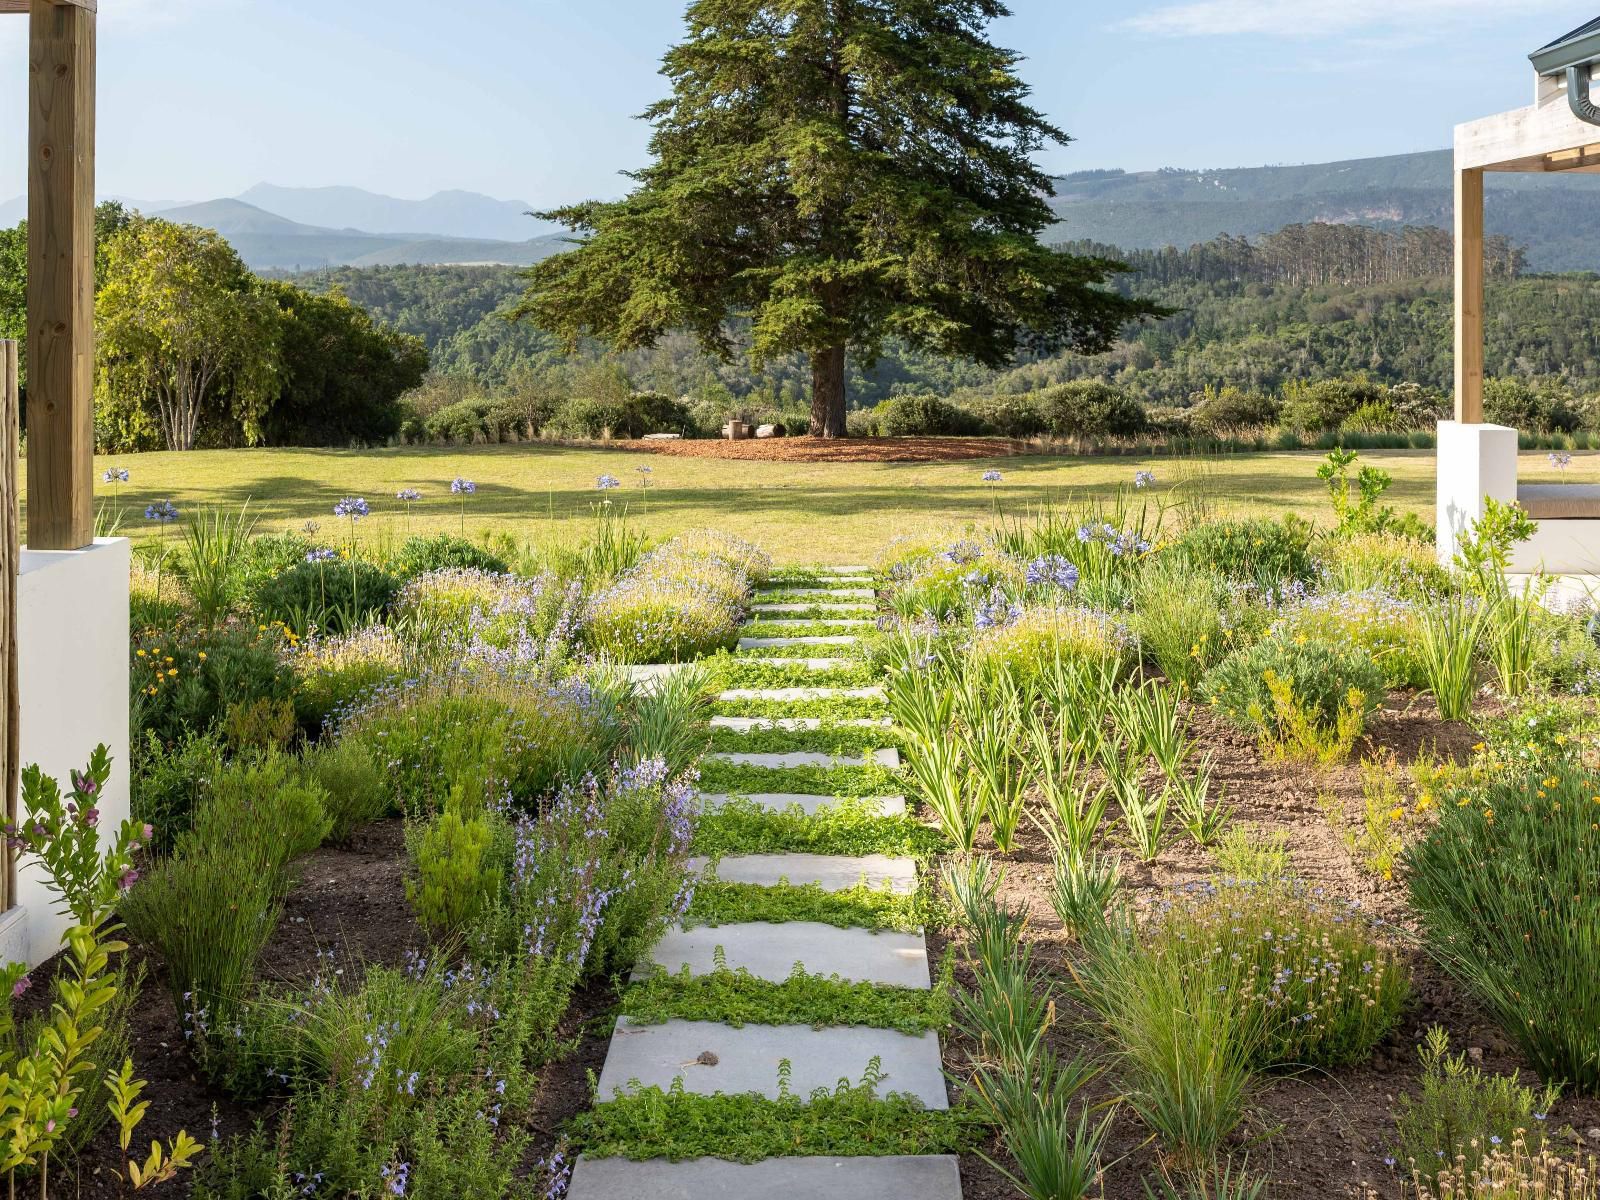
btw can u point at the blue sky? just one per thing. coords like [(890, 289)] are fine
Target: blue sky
[(534, 99)]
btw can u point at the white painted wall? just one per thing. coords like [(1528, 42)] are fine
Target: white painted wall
[(72, 680), (1474, 461)]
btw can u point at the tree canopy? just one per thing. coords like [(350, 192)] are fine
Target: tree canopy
[(842, 173)]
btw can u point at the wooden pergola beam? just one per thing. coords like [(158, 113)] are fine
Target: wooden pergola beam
[(60, 414), (1469, 296), (23, 6)]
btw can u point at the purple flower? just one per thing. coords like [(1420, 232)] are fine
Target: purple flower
[(162, 511), (462, 487), (20, 986), (408, 495), (320, 556), (1052, 570), (1144, 479), (1560, 459), (395, 1179), (128, 879), (115, 475), (353, 507), (606, 482), (991, 476)]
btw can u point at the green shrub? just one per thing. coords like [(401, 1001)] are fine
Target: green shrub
[(444, 551), (329, 597), (1009, 414), (1088, 409), (639, 414), (355, 784), (335, 674), (1321, 675), (184, 680), (1545, 406), (461, 422), (1460, 1108), (1188, 618), (923, 416), (268, 796), (1231, 410), (1268, 553), (1038, 638), (1326, 404), (1392, 562), (454, 879), (169, 782), (1504, 887), (1386, 628)]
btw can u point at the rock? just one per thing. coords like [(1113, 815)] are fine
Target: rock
[(1475, 1055), (1592, 1134), (766, 431)]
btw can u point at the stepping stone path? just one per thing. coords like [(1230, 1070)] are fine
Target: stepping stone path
[(711, 1057)]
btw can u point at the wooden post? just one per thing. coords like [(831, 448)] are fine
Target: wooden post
[(1469, 296), (10, 723), (61, 68)]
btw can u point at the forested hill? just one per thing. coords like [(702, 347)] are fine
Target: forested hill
[(1548, 214), (1306, 302)]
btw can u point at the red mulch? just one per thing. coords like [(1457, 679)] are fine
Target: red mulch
[(819, 450)]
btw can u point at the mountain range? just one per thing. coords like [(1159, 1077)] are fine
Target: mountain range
[(284, 228)]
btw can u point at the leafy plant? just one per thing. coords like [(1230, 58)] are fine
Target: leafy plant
[(1449, 634), (356, 789), (1296, 692), (740, 826), (718, 902), (453, 881), (212, 561), (1253, 855)]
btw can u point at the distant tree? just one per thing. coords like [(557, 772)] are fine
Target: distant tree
[(185, 331), (341, 373), (843, 172), (1089, 409)]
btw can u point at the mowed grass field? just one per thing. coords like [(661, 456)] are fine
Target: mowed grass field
[(801, 512)]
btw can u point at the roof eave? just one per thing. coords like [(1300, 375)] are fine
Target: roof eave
[(1552, 60)]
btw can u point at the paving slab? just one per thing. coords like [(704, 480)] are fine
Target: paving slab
[(808, 758), (830, 639), (830, 872), (769, 951), (803, 693), (892, 1177), (847, 569), (859, 606), (813, 664), (836, 622), (797, 724), (711, 1057), (809, 803), (841, 593)]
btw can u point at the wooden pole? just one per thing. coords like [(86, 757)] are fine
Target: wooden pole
[(61, 78), (10, 722), (1469, 297)]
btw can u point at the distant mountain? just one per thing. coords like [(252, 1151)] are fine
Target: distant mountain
[(267, 241), (1171, 207), (445, 214)]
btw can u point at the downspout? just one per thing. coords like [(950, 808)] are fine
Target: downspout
[(1578, 94)]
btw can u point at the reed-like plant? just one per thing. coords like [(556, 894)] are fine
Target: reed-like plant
[(1082, 886), (938, 769), (1144, 812), (1449, 633), (1202, 817), (1150, 722), (215, 545), (1509, 631), (1076, 809)]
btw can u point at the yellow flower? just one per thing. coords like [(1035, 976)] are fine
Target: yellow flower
[(202, 656), (141, 655)]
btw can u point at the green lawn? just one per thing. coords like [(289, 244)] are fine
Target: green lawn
[(801, 512)]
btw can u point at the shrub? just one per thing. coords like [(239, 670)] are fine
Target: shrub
[(282, 810), (639, 414), (1087, 409), (1010, 414), (185, 680), (1327, 403), (355, 785), (1504, 886), (1188, 618), (333, 674), (1267, 553), (463, 604), (1459, 1109), (1530, 407), (1325, 680), (169, 781), (1404, 566), (953, 582), (453, 880), (923, 416), (329, 597), (1232, 410), (444, 551), (1386, 628), (461, 422), (1038, 638)]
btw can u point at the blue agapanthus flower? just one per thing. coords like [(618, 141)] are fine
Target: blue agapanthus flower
[(162, 510), (991, 476), (1052, 570), (462, 487), (1144, 479), (115, 475), (353, 507), (321, 556), (407, 495), (1560, 459), (606, 482)]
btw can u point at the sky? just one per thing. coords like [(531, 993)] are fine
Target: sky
[(535, 100)]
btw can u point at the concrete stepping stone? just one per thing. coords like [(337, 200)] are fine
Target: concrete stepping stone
[(813, 664), (769, 951), (803, 693), (849, 569), (839, 593), (810, 804), (797, 724), (830, 872), (830, 639), (796, 608), (711, 1057), (839, 623), (808, 758), (892, 1177)]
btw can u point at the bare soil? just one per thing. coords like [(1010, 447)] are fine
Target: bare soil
[(1314, 1134)]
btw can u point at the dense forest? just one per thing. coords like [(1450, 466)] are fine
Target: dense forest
[(1309, 302)]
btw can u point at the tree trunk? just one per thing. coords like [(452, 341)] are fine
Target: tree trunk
[(827, 393)]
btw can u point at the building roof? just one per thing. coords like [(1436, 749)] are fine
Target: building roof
[(1581, 45)]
